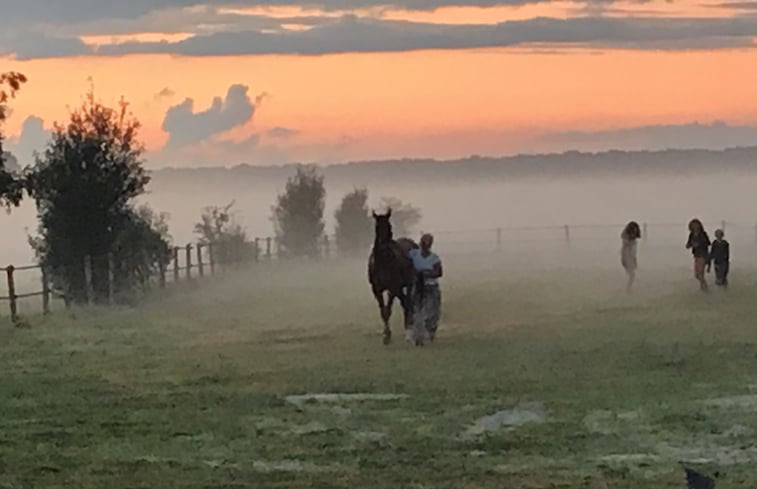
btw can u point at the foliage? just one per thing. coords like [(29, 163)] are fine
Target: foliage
[(353, 223), (84, 187), (11, 188), (405, 217), (218, 227), (298, 214)]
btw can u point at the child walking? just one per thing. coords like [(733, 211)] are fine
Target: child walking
[(629, 238), (720, 254), (699, 244)]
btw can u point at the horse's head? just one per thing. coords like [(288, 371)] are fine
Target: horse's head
[(383, 227)]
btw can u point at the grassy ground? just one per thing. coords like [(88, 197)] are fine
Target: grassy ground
[(189, 390)]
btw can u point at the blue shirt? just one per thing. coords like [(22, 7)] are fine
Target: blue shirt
[(425, 263)]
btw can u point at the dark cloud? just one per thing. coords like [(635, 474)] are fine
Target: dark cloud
[(736, 5), (717, 135), (185, 126), (351, 34), (15, 12), (283, 132), (30, 45)]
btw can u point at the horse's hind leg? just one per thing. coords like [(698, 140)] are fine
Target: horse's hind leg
[(407, 308)]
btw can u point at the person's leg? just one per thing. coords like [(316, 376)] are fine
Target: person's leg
[(631, 278), (719, 275), (433, 310), (699, 265), (726, 269)]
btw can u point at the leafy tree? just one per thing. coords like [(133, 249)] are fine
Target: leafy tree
[(353, 223), (11, 188), (405, 217), (218, 227), (298, 214), (84, 186)]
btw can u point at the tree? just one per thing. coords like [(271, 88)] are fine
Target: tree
[(218, 227), (84, 187), (405, 217), (353, 223), (11, 187), (298, 213)]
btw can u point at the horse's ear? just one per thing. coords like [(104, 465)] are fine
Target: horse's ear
[(389, 212), (375, 216)]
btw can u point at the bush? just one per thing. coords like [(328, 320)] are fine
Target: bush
[(298, 214), (84, 186), (354, 230), (229, 240)]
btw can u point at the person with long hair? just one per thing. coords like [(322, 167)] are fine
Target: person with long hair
[(629, 237), (699, 244)]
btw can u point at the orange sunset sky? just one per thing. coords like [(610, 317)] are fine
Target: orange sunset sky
[(434, 78)]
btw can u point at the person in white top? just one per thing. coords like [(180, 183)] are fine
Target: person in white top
[(629, 237), (427, 299)]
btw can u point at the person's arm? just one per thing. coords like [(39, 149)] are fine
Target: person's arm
[(727, 251), (435, 271), (689, 243)]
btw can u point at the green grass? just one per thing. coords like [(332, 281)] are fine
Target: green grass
[(188, 390)]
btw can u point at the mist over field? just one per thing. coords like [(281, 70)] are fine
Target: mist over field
[(464, 202)]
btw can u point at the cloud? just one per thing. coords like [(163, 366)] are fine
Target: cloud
[(282, 133), (165, 93), (74, 11), (185, 126), (31, 45), (33, 137), (351, 34), (717, 135)]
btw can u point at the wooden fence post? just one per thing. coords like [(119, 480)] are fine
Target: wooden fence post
[(212, 258), (644, 232), (162, 272), (45, 292), (268, 248), (12, 293), (111, 281), (256, 249), (499, 239), (88, 280), (567, 233), (176, 264), (189, 261), (326, 246), (200, 267)]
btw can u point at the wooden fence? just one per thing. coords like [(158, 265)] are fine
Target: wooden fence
[(193, 261), (197, 261)]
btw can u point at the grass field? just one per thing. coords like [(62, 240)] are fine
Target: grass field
[(588, 387)]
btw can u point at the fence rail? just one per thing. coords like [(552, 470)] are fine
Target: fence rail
[(197, 261)]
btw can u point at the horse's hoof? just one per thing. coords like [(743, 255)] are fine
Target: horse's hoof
[(387, 339)]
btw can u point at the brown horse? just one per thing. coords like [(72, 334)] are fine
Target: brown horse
[(390, 270)]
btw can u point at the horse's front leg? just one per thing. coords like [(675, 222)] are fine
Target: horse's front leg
[(384, 315)]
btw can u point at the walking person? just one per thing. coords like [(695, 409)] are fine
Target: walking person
[(427, 298), (720, 255), (629, 238), (699, 244)]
